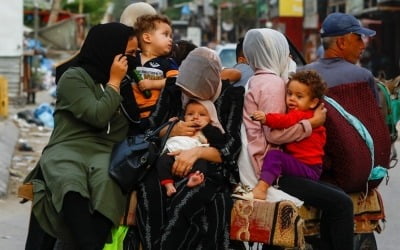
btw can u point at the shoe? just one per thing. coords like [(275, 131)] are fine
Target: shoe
[(249, 196), (241, 189)]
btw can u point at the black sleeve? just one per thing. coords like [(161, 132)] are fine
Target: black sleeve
[(128, 104), (230, 111), (214, 136), (168, 105)]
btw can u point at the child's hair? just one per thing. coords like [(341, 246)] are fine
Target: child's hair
[(148, 23), (192, 101), (181, 49), (313, 80), (239, 48)]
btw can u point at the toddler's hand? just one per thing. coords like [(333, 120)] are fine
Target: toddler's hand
[(258, 116), (148, 84)]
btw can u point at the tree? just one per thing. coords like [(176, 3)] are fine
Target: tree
[(94, 8)]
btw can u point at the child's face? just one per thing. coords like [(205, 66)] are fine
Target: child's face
[(299, 96), (161, 39), (197, 113)]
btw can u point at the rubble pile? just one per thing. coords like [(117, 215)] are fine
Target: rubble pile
[(32, 139)]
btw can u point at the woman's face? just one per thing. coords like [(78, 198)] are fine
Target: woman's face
[(132, 46)]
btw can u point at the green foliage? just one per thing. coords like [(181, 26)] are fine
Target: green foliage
[(173, 13), (242, 15), (94, 8)]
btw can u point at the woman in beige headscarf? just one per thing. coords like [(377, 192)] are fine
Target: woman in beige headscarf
[(198, 217)]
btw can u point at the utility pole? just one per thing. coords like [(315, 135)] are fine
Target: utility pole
[(55, 9), (218, 22), (35, 19), (80, 6)]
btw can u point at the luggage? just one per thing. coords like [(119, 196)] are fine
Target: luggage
[(348, 160), (273, 223)]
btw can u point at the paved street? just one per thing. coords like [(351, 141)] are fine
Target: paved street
[(389, 239), (14, 216)]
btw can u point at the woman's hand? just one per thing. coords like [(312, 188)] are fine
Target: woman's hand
[(184, 161), (319, 116), (118, 70)]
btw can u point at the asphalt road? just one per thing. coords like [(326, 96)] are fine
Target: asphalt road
[(389, 239), (14, 219)]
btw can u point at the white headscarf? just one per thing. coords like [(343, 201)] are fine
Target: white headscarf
[(135, 10), (199, 75), (267, 49)]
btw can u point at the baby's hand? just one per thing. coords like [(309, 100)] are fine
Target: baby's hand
[(258, 116)]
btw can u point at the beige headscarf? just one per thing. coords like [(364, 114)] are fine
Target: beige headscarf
[(135, 10), (199, 75)]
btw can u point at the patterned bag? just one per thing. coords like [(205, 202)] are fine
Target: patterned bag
[(277, 223), (369, 214)]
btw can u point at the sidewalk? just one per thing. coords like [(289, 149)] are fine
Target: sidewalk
[(14, 165), (13, 132), (8, 139)]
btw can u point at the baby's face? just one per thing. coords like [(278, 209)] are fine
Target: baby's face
[(299, 96), (197, 113)]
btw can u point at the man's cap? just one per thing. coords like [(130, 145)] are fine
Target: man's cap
[(337, 24)]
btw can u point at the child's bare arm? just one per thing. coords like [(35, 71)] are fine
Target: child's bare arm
[(146, 84), (231, 74)]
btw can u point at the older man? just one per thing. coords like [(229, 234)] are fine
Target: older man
[(342, 38)]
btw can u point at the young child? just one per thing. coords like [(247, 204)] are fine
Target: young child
[(181, 49), (210, 133), (154, 64), (302, 158), (240, 73)]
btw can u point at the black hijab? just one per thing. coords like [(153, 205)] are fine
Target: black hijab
[(102, 44)]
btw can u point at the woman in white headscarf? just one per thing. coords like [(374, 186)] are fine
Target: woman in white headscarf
[(198, 217), (267, 52)]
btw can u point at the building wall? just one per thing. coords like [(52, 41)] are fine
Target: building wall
[(11, 68)]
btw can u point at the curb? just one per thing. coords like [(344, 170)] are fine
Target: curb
[(8, 139)]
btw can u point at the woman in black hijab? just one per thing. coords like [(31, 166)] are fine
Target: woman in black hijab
[(75, 200)]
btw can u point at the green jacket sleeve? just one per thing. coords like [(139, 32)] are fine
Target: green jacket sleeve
[(87, 101)]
